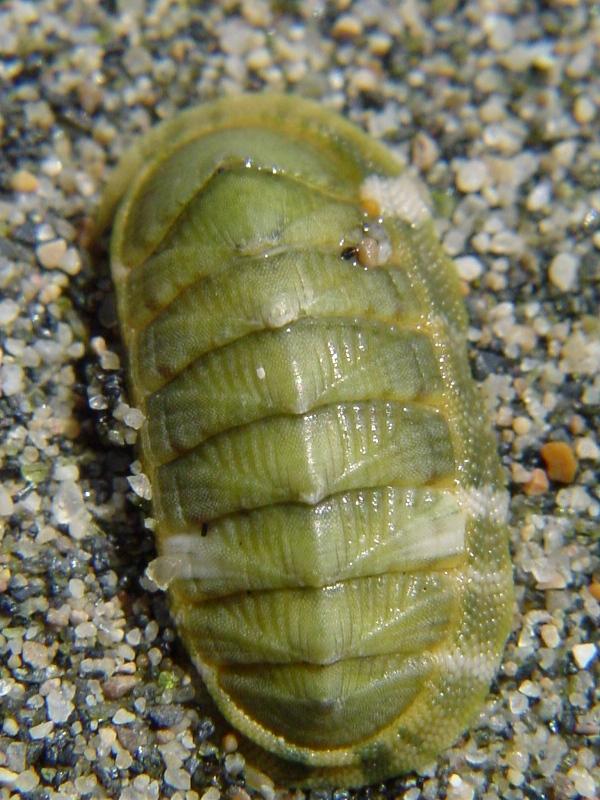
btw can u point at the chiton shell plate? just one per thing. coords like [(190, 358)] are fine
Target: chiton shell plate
[(329, 504)]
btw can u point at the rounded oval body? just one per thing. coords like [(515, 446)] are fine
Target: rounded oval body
[(329, 504)]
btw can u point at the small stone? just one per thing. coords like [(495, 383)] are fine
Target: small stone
[(515, 777), (459, 789), (211, 793), (6, 502), (471, 176), (140, 485), (530, 689), (583, 783), (595, 590), (230, 743), (506, 242), (234, 763), (58, 703), (259, 59), (35, 654), (563, 271), (66, 472), (560, 461), (241, 794), (499, 30), (45, 232), (582, 61), (364, 80), (380, 43), (564, 152), (547, 575), (76, 588), (587, 448), (584, 109), (41, 731), (134, 418), (27, 781), (98, 402), (178, 778), (8, 778), (469, 268), (85, 630), (518, 703), (71, 262), (539, 197), (584, 654), (123, 717), (550, 635), (51, 166), (9, 311), (85, 784), (10, 726), (110, 361), (521, 425), (24, 181), (578, 500), (151, 631), (347, 27), (518, 472), (537, 484), (257, 12), (425, 151), (165, 715), (118, 686), (51, 254), (11, 379)]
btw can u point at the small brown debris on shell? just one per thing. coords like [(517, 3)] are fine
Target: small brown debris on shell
[(370, 206), (368, 252)]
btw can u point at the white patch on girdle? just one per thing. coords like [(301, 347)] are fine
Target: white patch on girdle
[(403, 197), (486, 502), (184, 558), (456, 663)]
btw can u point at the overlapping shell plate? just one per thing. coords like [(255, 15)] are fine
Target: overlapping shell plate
[(331, 519)]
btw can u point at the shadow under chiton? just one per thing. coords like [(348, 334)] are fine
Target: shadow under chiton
[(330, 514)]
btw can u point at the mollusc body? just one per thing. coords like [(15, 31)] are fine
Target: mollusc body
[(329, 504)]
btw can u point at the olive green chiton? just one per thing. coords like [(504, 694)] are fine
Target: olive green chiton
[(330, 513)]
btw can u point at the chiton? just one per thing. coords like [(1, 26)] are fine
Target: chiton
[(330, 510)]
